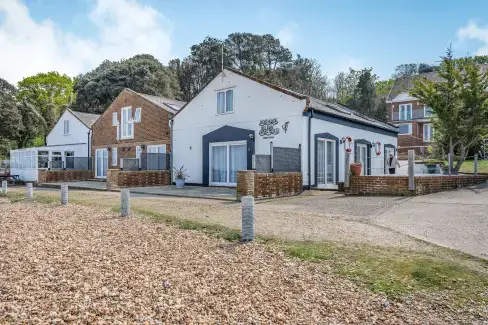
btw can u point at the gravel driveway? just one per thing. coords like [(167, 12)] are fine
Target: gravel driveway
[(79, 264)]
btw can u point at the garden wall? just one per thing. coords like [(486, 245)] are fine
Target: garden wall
[(398, 185), (142, 178), (268, 185), (47, 176)]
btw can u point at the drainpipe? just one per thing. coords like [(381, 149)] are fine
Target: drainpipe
[(88, 156), (310, 110), (171, 152)]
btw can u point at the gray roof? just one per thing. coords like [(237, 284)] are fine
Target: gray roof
[(404, 84), (86, 118), (172, 105), (344, 112)]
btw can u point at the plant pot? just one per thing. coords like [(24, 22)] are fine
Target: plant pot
[(180, 183), (356, 169)]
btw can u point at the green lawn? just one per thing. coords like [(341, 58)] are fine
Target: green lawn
[(468, 166)]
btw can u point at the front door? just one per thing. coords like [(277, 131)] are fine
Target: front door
[(363, 158), (226, 158), (326, 162), (101, 163), (388, 150)]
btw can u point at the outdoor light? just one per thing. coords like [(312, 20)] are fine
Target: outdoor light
[(251, 136)]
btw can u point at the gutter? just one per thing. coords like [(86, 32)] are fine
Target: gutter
[(310, 109)]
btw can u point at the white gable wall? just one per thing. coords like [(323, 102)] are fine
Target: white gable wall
[(252, 102), (78, 132)]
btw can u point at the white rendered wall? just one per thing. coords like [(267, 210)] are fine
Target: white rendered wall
[(78, 132)]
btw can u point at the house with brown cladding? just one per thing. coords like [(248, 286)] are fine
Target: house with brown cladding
[(133, 133)]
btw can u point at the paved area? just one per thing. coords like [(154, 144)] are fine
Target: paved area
[(187, 191)]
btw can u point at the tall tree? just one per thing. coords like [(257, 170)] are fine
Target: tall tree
[(409, 69), (364, 98), (49, 92), (142, 73), (459, 105)]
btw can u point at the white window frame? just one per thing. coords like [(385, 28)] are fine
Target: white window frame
[(114, 157), (115, 119), (66, 127), (210, 156), (137, 115), (405, 108), (409, 129), (429, 126), (126, 120), (224, 91), (158, 146), (425, 108)]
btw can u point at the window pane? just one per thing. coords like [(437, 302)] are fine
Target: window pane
[(427, 111), (219, 164), (404, 128), (229, 100), (220, 102)]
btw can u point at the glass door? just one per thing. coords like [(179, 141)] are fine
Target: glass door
[(388, 150), (226, 159), (101, 163), (325, 162), (363, 158)]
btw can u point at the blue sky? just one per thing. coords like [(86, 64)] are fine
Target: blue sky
[(75, 36)]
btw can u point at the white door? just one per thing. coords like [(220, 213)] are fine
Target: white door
[(388, 150), (363, 158), (226, 158), (326, 162), (101, 163)]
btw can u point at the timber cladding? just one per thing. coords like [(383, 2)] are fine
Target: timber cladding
[(142, 178), (398, 185), (268, 185), (153, 129)]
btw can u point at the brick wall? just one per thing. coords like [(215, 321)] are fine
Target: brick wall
[(118, 178), (268, 185), (152, 130), (398, 185), (47, 176)]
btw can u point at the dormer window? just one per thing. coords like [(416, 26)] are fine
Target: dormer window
[(225, 101)]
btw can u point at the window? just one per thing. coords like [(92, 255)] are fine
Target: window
[(405, 128), (69, 159), (428, 132), (56, 160), (66, 127), (115, 120), (42, 159), (405, 112), (427, 111), (137, 117), (114, 156), (225, 101), (127, 123)]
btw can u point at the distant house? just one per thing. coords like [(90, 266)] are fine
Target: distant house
[(68, 147), (237, 122), (133, 126)]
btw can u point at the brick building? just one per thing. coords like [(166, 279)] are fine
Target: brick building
[(412, 117), (132, 125)]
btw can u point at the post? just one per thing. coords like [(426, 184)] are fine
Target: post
[(411, 170), (30, 191), (475, 164), (247, 232), (272, 155), (64, 194), (125, 202), (449, 162), (347, 169), (4, 187)]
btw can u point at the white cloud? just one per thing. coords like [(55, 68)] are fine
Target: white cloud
[(474, 31), (124, 28), (287, 34)]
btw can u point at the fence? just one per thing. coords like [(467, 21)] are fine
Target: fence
[(148, 161), (281, 160), (70, 163)]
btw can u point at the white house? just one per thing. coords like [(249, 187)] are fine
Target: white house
[(68, 147), (236, 118)]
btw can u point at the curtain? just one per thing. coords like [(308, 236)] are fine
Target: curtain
[(238, 161), (219, 164)]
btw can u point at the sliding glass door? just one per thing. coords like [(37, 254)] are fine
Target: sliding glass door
[(226, 158), (326, 162)]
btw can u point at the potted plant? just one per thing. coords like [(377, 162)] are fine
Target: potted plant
[(356, 168), (180, 176)]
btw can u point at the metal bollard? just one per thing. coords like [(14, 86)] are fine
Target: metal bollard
[(30, 191), (475, 164), (247, 232), (64, 194), (411, 170), (124, 202), (4, 187)]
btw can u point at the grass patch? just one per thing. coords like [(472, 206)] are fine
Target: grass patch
[(468, 166), (397, 272)]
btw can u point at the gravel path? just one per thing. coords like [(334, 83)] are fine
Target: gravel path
[(83, 265)]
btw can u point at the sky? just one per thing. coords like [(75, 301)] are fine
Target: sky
[(75, 36)]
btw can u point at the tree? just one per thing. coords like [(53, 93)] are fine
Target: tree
[(459, 105), (364, 96), (409, 69), (49, 93), (143, 73), (10, 117)]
